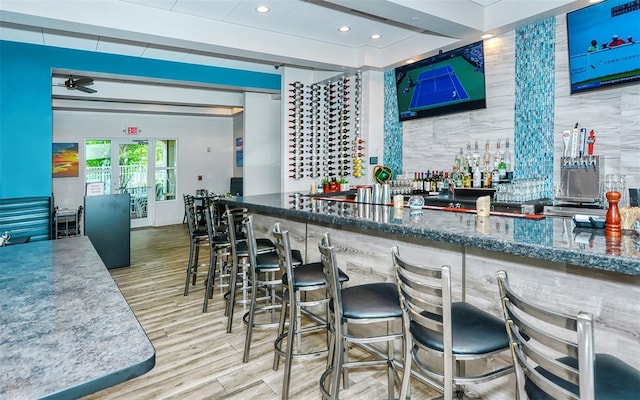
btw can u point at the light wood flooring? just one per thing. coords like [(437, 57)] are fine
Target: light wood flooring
[(195, 357)]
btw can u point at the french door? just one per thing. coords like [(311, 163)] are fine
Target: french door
[(122, 165)]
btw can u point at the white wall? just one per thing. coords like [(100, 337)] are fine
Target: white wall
[(194, 135), (262, 141), (614, 114)]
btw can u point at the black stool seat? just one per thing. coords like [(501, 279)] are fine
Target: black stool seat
[(270, 260), (373, 300), (263, 245), (614, 379), (474, 331), (308, 275)]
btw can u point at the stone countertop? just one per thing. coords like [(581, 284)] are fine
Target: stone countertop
[(65, 328), (549, 238)]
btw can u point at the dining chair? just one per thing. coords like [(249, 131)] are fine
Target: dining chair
[(305, 294), (554, 354), (367, 307), (451, 333)]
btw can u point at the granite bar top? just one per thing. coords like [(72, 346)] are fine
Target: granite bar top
[(549, 238), (65, 328)]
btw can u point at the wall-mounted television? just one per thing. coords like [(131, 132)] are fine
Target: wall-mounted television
[(446, 83), (603, 45)]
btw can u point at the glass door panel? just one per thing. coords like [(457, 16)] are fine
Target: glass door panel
[(122, 166), (98, 163), (133, 178)]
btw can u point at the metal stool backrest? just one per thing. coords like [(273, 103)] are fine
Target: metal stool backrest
[(425, 298), (330, 270), (539, 336), (211, 229), (190, 212), (283, 248), (252, 245), (235, 217)]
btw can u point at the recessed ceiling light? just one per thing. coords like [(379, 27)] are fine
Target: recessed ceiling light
[(410, 61), (344, 29), (487, 36), (375, 36), (263, 9)]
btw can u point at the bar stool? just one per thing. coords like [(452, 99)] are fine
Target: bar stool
[(366, 304), (455, 331), (264, 271), (554, 355), (240, 259), (198, 237), (219, 251), (305, 286)]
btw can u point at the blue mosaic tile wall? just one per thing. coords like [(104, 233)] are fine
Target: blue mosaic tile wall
[(534, 102), (392, 147)]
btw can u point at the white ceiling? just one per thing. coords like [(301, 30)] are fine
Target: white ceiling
[(230, 33), (300, 33)]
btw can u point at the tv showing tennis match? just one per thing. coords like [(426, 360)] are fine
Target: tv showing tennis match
[(447, 83), (604, 50)]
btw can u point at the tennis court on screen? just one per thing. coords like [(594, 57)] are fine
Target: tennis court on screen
[(437, 86)]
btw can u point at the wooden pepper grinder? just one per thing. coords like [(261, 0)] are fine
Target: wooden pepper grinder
[(613, 219)]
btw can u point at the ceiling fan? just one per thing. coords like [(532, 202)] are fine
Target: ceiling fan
[(80, 84)]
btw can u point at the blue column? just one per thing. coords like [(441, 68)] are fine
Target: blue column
[(534, 102)]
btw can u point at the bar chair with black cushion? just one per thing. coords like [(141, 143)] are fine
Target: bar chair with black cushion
[(198, 237), (218, 254), (554, 355), (450, 333), (305, 287), (265, 278), (366, 304), (240, 265)]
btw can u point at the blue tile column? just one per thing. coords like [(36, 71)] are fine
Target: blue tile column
[(392, 146), (534, 102)]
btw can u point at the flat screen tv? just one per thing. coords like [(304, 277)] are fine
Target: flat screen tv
[(446, 83), (603, 46)]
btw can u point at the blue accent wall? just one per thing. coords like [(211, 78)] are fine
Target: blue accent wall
[(392, 146), (535, 102), (25, 102)]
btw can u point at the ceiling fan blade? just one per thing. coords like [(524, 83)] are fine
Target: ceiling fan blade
[(85, 89), (83, 81)]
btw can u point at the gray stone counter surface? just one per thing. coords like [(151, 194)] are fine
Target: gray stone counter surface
[(65, 328), (550, 238)]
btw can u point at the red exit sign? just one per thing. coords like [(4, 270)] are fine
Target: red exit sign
[(132, 130)]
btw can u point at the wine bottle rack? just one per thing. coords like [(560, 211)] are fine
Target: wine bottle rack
[(324, 130)]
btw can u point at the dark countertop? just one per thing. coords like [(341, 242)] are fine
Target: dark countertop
[(65, 328), (542, 237)]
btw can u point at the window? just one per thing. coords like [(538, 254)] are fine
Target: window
[(165, 170)]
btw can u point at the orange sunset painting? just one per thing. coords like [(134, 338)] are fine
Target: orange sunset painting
[(65, 160)]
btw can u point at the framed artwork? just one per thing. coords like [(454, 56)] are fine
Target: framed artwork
[(239, 152), (64, 161)]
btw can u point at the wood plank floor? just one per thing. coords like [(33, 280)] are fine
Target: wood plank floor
[(195, 357)]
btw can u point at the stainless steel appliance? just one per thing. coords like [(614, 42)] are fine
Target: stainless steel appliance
[(581, 178)]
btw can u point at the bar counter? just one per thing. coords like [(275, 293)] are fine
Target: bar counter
[(65, 329), (547, 258), (548, 238)]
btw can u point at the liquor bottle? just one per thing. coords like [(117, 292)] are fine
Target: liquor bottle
[(477, 177), (434, 181), (498, 155), (502, 169), (475, 157), (467, 159), (414, 183), (508, 159), (459, 161), (486, 158), (466, 179), (457, 177)]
